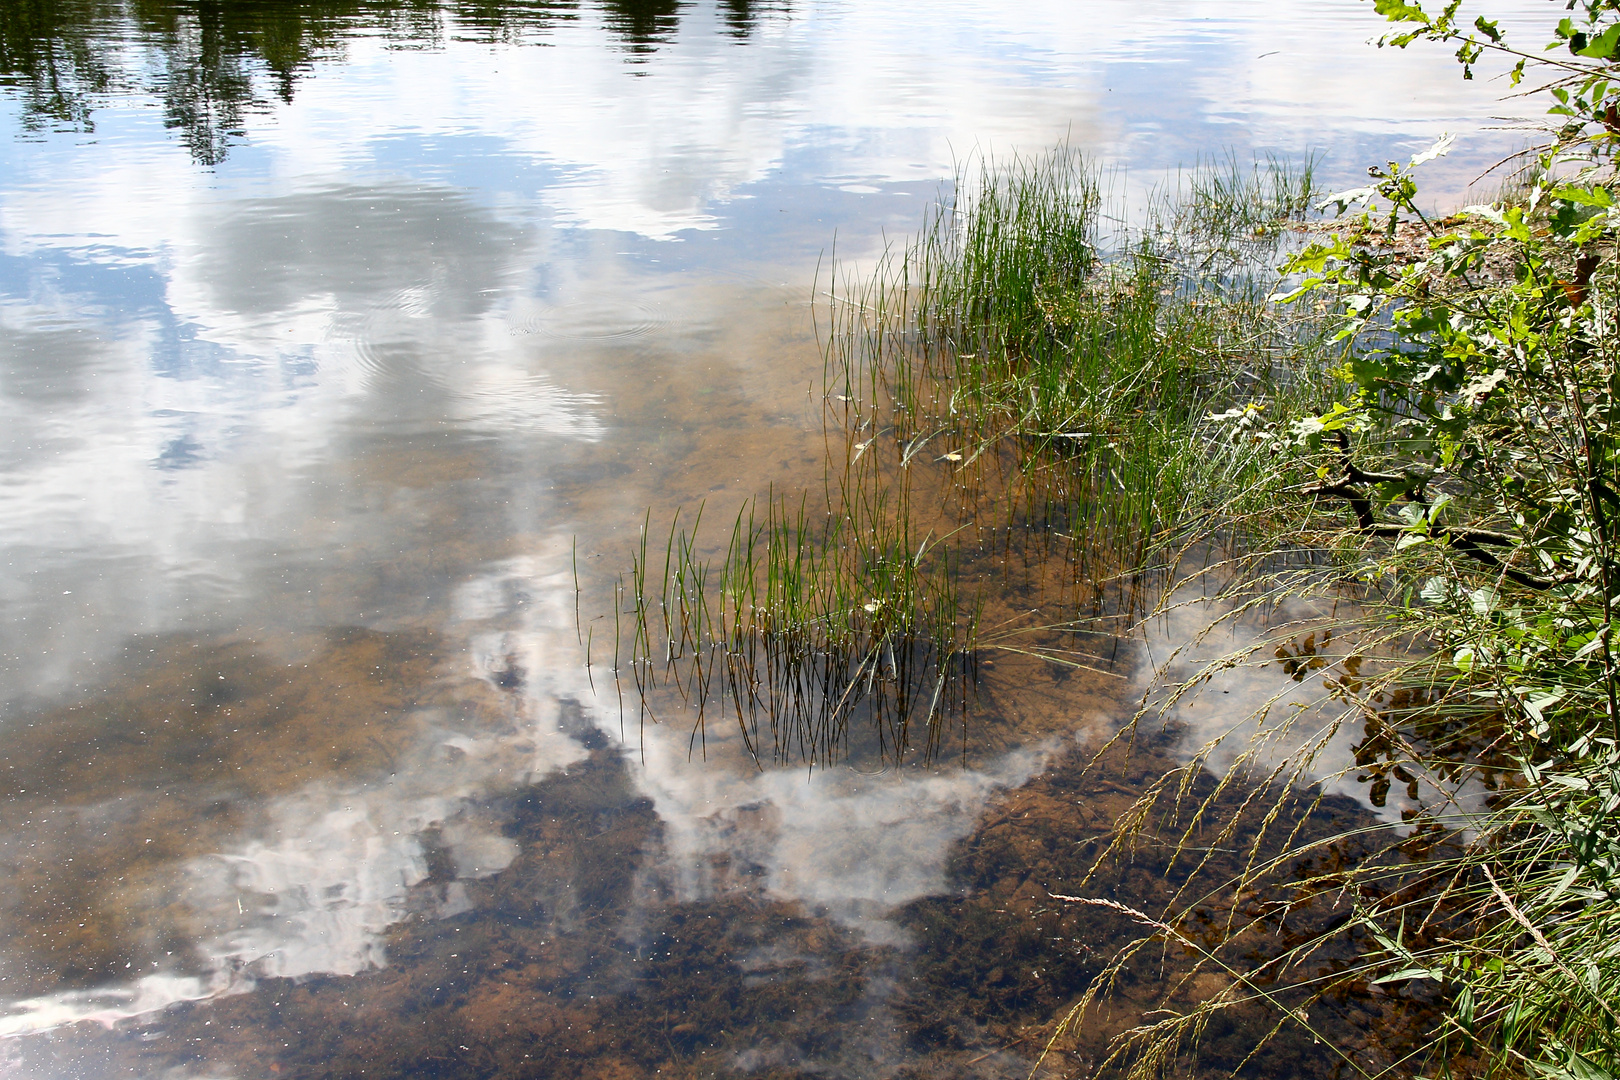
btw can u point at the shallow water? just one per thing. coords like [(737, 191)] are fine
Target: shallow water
[(340, 341)]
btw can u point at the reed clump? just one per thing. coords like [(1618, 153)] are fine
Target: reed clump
[(807, 623), (1028, 316)]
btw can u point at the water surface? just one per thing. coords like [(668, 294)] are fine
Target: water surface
[(340, 341)]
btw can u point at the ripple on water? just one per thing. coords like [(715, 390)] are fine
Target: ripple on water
[(594, 319), (497, 397)]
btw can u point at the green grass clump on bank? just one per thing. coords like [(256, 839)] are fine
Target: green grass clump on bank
[(1466, 482)]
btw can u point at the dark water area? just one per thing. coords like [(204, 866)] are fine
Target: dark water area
[(344, 349)]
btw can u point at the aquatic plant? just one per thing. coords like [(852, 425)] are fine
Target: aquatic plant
[(1013, 321), (1005, 391), (807, 623)]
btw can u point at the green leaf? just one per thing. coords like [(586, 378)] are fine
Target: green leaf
[(1405, 974), (1399, 11), (1595, 195), (1602, 47), (1537, 703)]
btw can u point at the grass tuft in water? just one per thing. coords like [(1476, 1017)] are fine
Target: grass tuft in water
[(806, 626), (1026, 316)]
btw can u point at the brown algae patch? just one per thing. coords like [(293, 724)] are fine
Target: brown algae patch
[(560, 965), (237, 716), (578, 960), (1003, 961)]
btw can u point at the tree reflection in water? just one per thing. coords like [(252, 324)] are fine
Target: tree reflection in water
[(212, 63)]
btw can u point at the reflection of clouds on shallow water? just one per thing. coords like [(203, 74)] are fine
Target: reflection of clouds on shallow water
[(498, 399), (1256, 714), (851, 845), (185, 416), (334, 870), (325, 871), (328, 869), (315, 885), (104, 1005), (317, 898)]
